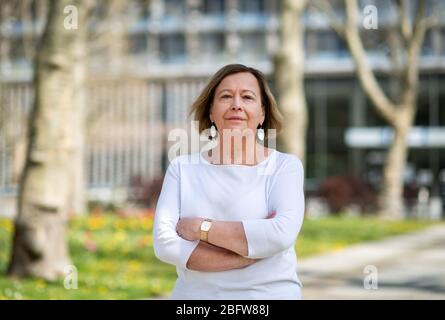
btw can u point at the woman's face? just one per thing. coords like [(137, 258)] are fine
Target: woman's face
[(237, 103)]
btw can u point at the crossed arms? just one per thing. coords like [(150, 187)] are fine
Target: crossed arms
[(226, 248), (231, 244)]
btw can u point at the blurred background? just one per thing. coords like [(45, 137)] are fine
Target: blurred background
[(126, 73)]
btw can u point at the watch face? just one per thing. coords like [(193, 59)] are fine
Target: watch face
[(205, 226)]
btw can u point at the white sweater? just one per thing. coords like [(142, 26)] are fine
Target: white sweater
[(193, 187)]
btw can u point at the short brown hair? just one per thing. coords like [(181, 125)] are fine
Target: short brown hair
[(201, 106)]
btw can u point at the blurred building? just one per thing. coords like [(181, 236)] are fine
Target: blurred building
[(173, 46)]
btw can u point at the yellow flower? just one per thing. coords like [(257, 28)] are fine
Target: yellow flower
[(119, 236), (119, 224), (102, 290), (6, 224), (95, 222), (338, 246), (134, 266), (147, 224), (133, 224), (146, 240), (40, 284), (108, 266)]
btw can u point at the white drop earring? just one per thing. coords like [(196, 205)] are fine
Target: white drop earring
[(212, 131), (260, 132)]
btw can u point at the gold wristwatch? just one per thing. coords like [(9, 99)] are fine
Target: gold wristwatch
[(205, 228)]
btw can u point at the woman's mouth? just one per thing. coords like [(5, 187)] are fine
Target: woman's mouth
[(235, 119)]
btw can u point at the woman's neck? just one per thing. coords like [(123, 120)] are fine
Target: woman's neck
[(238, 152)]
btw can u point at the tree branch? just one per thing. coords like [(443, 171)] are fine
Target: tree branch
[(366, 76), (395, 51), (413, 53), (405, 23), (420, 22), (349, 31), (325, 7)]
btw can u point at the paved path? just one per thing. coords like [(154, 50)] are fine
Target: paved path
[(409, 266)]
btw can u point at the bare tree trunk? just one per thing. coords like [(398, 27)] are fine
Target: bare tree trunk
[(76, 201), (391, 195), (6, 10), (55, 148), (289, 78)]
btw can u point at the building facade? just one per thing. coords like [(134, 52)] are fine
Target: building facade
[(172, 47)]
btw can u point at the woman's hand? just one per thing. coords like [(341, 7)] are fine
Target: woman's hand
[(189, 228)]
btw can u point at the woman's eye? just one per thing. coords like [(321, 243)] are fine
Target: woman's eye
[(225, 96), (248, 97)]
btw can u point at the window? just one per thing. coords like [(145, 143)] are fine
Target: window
[(212, 7), (251, 6), (139, 8), (427, 46), (174, 8), (212, 45), (329, 42), (137, 43), (441, 102), (375, 40), (253, 44), (18, 50), (443, 41), (172, 47)]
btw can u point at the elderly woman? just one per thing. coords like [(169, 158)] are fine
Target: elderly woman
[(228, 217)]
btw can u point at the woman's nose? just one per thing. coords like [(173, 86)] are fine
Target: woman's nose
[(236, 105)]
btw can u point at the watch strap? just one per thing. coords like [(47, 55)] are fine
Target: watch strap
[(205, 234)]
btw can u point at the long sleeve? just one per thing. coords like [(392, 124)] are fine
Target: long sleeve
[(267, 237), (168, 246)]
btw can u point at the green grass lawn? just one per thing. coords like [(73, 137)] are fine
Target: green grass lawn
[(115, 260), (335, 233)]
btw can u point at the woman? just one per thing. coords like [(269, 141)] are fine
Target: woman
[(228, 218)]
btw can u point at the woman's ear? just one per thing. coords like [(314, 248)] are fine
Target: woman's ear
[(210, 114)]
